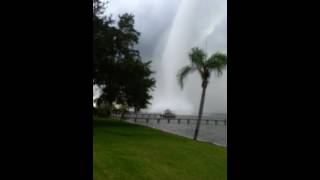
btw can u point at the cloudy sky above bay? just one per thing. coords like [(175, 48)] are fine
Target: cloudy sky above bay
[(154, 20)]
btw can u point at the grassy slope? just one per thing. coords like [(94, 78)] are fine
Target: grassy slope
[(126, 151)]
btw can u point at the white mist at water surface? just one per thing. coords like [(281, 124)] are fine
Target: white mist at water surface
[(194, 21)]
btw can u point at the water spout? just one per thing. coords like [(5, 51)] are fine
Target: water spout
[(192, 23)]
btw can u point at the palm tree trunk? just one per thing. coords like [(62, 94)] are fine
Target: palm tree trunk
[(204, 87)]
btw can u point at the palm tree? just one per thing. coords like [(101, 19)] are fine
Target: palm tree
[(199, 62)]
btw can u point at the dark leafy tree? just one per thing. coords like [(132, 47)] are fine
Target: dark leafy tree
[(117, 66)]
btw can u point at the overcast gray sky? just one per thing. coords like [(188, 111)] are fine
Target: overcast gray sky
[(153, 18)]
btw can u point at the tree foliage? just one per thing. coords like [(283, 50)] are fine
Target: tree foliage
[(117, 66), (199, 62)]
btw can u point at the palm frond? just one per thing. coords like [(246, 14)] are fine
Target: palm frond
[(217, 63), (197, 57), (182, 74)]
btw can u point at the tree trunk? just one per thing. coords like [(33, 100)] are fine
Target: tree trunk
[(204, 87)]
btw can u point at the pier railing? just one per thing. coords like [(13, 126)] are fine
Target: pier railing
[(179, 119)]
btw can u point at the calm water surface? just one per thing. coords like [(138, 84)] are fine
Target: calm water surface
[(210, 132)]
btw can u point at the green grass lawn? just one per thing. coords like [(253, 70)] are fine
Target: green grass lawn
[(127, 151)]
